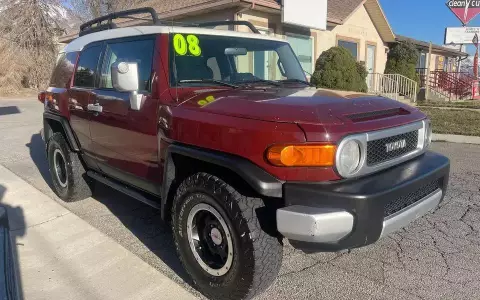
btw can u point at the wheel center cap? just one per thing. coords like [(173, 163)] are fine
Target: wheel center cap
[(216, 236)]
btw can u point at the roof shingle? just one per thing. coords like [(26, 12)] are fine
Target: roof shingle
[(165, 6), (426, 45), (338, 10)]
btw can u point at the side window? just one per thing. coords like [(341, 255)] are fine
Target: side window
[(62, 74), (87, 67), (140, 52)]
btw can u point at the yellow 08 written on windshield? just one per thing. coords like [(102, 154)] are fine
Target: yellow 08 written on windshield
[(184, 45)]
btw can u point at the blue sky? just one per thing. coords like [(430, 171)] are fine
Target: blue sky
[(422, 19)]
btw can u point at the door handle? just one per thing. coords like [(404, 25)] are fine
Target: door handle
[(95, 107)]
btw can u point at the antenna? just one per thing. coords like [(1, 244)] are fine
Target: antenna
[(174, 70)]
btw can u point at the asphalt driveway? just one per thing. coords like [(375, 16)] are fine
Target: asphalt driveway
[(437, 257)]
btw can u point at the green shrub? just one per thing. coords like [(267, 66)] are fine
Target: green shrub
[(402, 59), (337, 69)]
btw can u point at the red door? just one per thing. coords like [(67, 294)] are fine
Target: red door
[(80, 96), (125, 140)]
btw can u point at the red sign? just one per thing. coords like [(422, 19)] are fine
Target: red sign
[(475, 91), (465, 10)]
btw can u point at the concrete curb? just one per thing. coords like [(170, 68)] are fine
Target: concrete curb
[(60, 256), (459, 139)]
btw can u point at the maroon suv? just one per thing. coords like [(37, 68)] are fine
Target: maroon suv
[(221, 132)]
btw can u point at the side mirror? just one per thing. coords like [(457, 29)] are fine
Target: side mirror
[(125, 79)]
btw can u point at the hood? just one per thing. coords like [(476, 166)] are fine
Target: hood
[(295, 105)]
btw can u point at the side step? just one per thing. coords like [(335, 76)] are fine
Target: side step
[(123, 189)]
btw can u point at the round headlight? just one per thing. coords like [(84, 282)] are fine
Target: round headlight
[(348, 158)]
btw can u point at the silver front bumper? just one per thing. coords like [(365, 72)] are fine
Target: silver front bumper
[(316, 225), (411, 213), (324, 225)]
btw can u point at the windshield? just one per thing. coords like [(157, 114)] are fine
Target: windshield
[(206, 60)]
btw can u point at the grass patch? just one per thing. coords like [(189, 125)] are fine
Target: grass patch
[(475, 104), (454, 121)]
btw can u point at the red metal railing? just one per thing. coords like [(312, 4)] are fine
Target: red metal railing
[(452, 85)]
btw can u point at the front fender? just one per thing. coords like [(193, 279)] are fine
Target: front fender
[(258, 179)]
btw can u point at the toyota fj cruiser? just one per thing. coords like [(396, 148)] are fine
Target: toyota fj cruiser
[(221, 131)]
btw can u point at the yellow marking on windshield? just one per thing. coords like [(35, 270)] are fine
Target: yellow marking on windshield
[(180, 44), (184, 45), (193, 45)]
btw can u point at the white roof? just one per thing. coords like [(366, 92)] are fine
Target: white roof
[(79, 43)]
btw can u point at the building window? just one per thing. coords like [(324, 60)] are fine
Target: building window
[(422, 61), (303, 47), (351, 46), (440, 63)]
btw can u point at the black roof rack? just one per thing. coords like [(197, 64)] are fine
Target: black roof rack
[(218, 23), (98, 25), (106, 22)]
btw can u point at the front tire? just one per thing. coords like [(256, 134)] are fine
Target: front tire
[(219, 239), (68, 175)]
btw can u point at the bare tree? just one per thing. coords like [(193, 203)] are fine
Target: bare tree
[(89, 9), (27, 43)]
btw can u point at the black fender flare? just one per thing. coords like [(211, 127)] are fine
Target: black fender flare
[(69, 135), (262, 182)]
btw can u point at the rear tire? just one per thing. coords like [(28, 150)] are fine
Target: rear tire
[(219, 239), (69, 178)]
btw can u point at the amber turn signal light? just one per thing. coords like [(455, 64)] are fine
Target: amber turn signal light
[(302, 155)]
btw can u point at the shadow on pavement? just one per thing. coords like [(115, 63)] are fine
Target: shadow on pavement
[(143, 221), (37, 153), (9, 110), (12, 226)]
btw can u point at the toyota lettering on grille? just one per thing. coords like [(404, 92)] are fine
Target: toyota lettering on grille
[(396, 145)]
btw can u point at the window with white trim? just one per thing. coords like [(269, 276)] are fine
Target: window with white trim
[(351, 46), (302, 45)]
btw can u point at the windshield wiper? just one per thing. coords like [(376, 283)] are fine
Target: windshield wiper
[(294, 80), (219, 82), (271, 82)]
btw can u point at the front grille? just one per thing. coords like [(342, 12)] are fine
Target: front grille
[(402, 202), (377, 151)]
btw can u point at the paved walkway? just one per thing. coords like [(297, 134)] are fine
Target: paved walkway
[(459, 139), (60, 256)]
